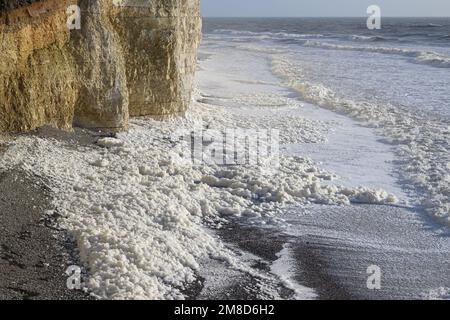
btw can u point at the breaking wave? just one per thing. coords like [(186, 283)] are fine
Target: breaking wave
[(428, 25), (270, 34), (422, 142), (368, 38), (430, 58)]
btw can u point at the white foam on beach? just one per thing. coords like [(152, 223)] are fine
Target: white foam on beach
[(285, 269), (441, 293), (221, 282), (421, 141), (136, 208)]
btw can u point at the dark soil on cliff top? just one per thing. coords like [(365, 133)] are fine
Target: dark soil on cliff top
[(6, 5)]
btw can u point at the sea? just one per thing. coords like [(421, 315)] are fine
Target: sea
[(385, 95), (405, 63)]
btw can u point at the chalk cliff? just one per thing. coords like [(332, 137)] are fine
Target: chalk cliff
[(129, 58)]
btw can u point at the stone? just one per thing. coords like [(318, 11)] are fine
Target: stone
[(37, 73), (160, 40), (130, 57), (103, 93)]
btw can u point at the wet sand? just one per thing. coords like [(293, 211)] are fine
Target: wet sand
[(333, 246), (34, 253), (411, 250)]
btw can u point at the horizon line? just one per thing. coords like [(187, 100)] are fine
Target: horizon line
[(333, 17)]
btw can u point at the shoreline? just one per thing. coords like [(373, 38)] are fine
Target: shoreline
[(334, 246), (139, 214), (316, 269)]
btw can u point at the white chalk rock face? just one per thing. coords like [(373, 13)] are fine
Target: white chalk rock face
[(38, 85), (130, 57), (160, 41), (103, 93)]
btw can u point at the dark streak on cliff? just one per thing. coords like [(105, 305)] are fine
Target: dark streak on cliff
[(6, 5)]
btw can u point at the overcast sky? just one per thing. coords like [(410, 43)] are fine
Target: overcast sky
[(323, 8)]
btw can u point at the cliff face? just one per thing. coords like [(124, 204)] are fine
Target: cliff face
[(103, 98), (168, 31), (130, 57), (37, 76)]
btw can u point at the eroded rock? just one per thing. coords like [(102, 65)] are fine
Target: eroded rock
[(160, 41), (37, 73), (103, 93), (130, 57)]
